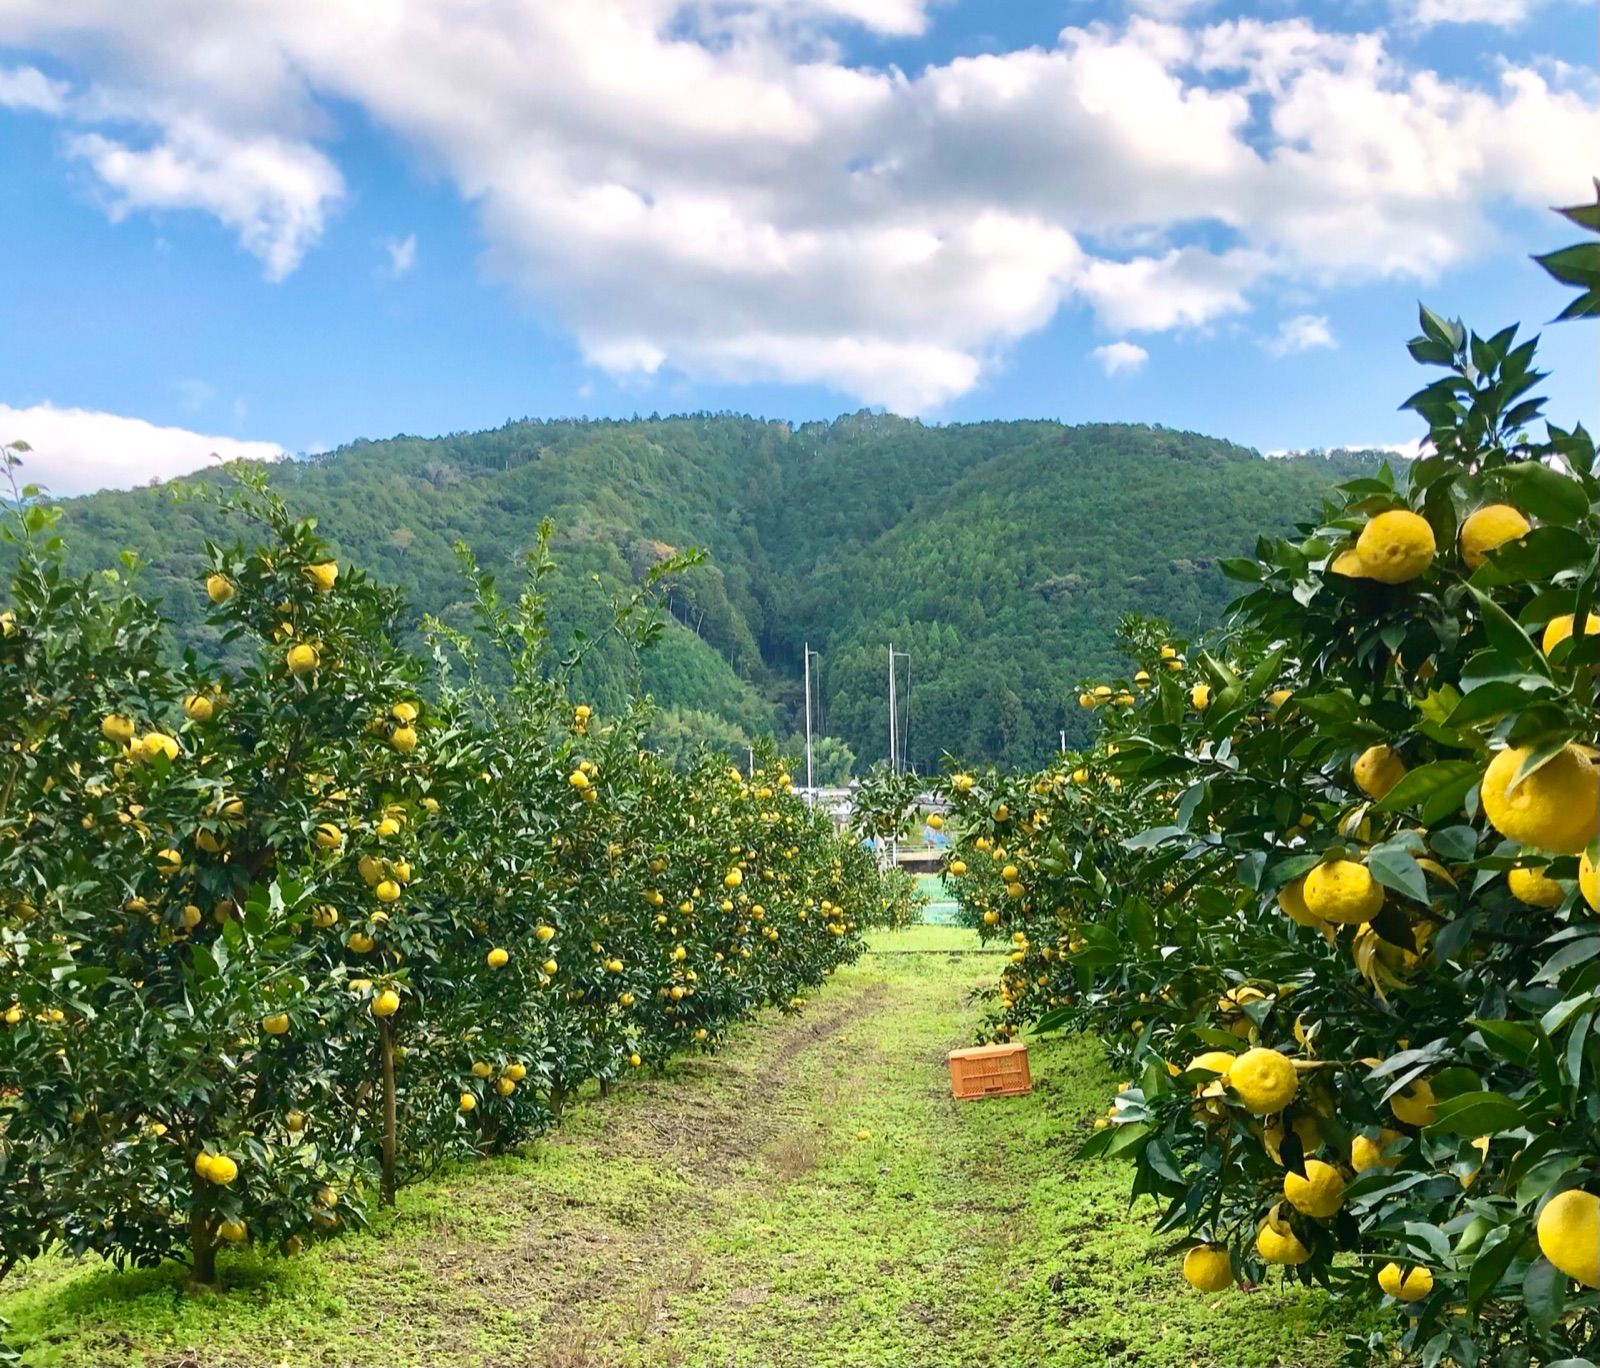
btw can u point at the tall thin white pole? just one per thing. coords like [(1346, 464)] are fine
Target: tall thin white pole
[(894, 761), (1063, 742), (894, 764), (811, 792)]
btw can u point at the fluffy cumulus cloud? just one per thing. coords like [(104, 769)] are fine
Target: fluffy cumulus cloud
[(1304, 332), (713, 187), (1120, 358), (75, 451), (29, 88), (273, 192)]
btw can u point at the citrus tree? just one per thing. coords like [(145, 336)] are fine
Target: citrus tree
[(276, 939), (1327, 884)]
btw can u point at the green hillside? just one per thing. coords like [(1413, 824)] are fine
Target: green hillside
[(1001, 555)]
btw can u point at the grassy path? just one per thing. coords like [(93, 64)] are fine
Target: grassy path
[(728, 1214)]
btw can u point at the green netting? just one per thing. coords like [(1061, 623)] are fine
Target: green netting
[(942, 909)]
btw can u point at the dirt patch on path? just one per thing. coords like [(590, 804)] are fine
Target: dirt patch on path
[(606, 1211)]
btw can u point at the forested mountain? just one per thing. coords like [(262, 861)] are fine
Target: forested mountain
[(999, 555)]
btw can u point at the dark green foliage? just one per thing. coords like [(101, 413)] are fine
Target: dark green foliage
[(1000, 555)]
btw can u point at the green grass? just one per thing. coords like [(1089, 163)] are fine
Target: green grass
[(728, 1214)]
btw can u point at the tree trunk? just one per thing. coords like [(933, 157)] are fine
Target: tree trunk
[(390, 1124), (605, 1087), (558, 1098), (202, 1239)]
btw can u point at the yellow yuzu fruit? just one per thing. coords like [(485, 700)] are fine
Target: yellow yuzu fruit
[(1414, 1104), (1342, 891), (1318, 1193), (1207, 1268), (1349, 564), (1292, 902), (1366, 1152), (1488, 527), (116, 728), (1555, 808), (322, 575), (1558, 629), (1265, 1080), (1277, 1243), (1569, 1235), (1534, 887), (1396, 546), (1214, 1061), (1377, 770), (1405, 1284)]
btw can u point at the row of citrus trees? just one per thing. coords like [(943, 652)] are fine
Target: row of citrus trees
[(273, 942), (1329, 888)]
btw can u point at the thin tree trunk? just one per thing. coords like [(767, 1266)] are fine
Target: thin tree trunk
[(202, 1239), (390, 1123)]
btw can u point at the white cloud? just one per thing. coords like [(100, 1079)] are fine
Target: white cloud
[(30, 88), (1186, 287), (402, 254), (1304, 332), (709, 187), (1498, 13), (274, 193), (76, 451), (1120, 358)]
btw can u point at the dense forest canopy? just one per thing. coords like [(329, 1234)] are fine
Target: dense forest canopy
[(999, 555)]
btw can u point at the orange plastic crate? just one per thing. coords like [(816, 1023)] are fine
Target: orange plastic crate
[(989, 1071)]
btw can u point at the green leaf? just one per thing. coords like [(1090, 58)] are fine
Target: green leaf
[(1538, 557), (1240, 568), (1575, 953), (1396, 869), (1494, 1257), (1511, 1040), (1558, 1016), (1544, 1293), (1505, 633), (1454, 777), (1054, 1020), (1493, 699), (1477, 1113), (1454, 842)]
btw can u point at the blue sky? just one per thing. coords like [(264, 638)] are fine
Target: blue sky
[(297, 231)]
